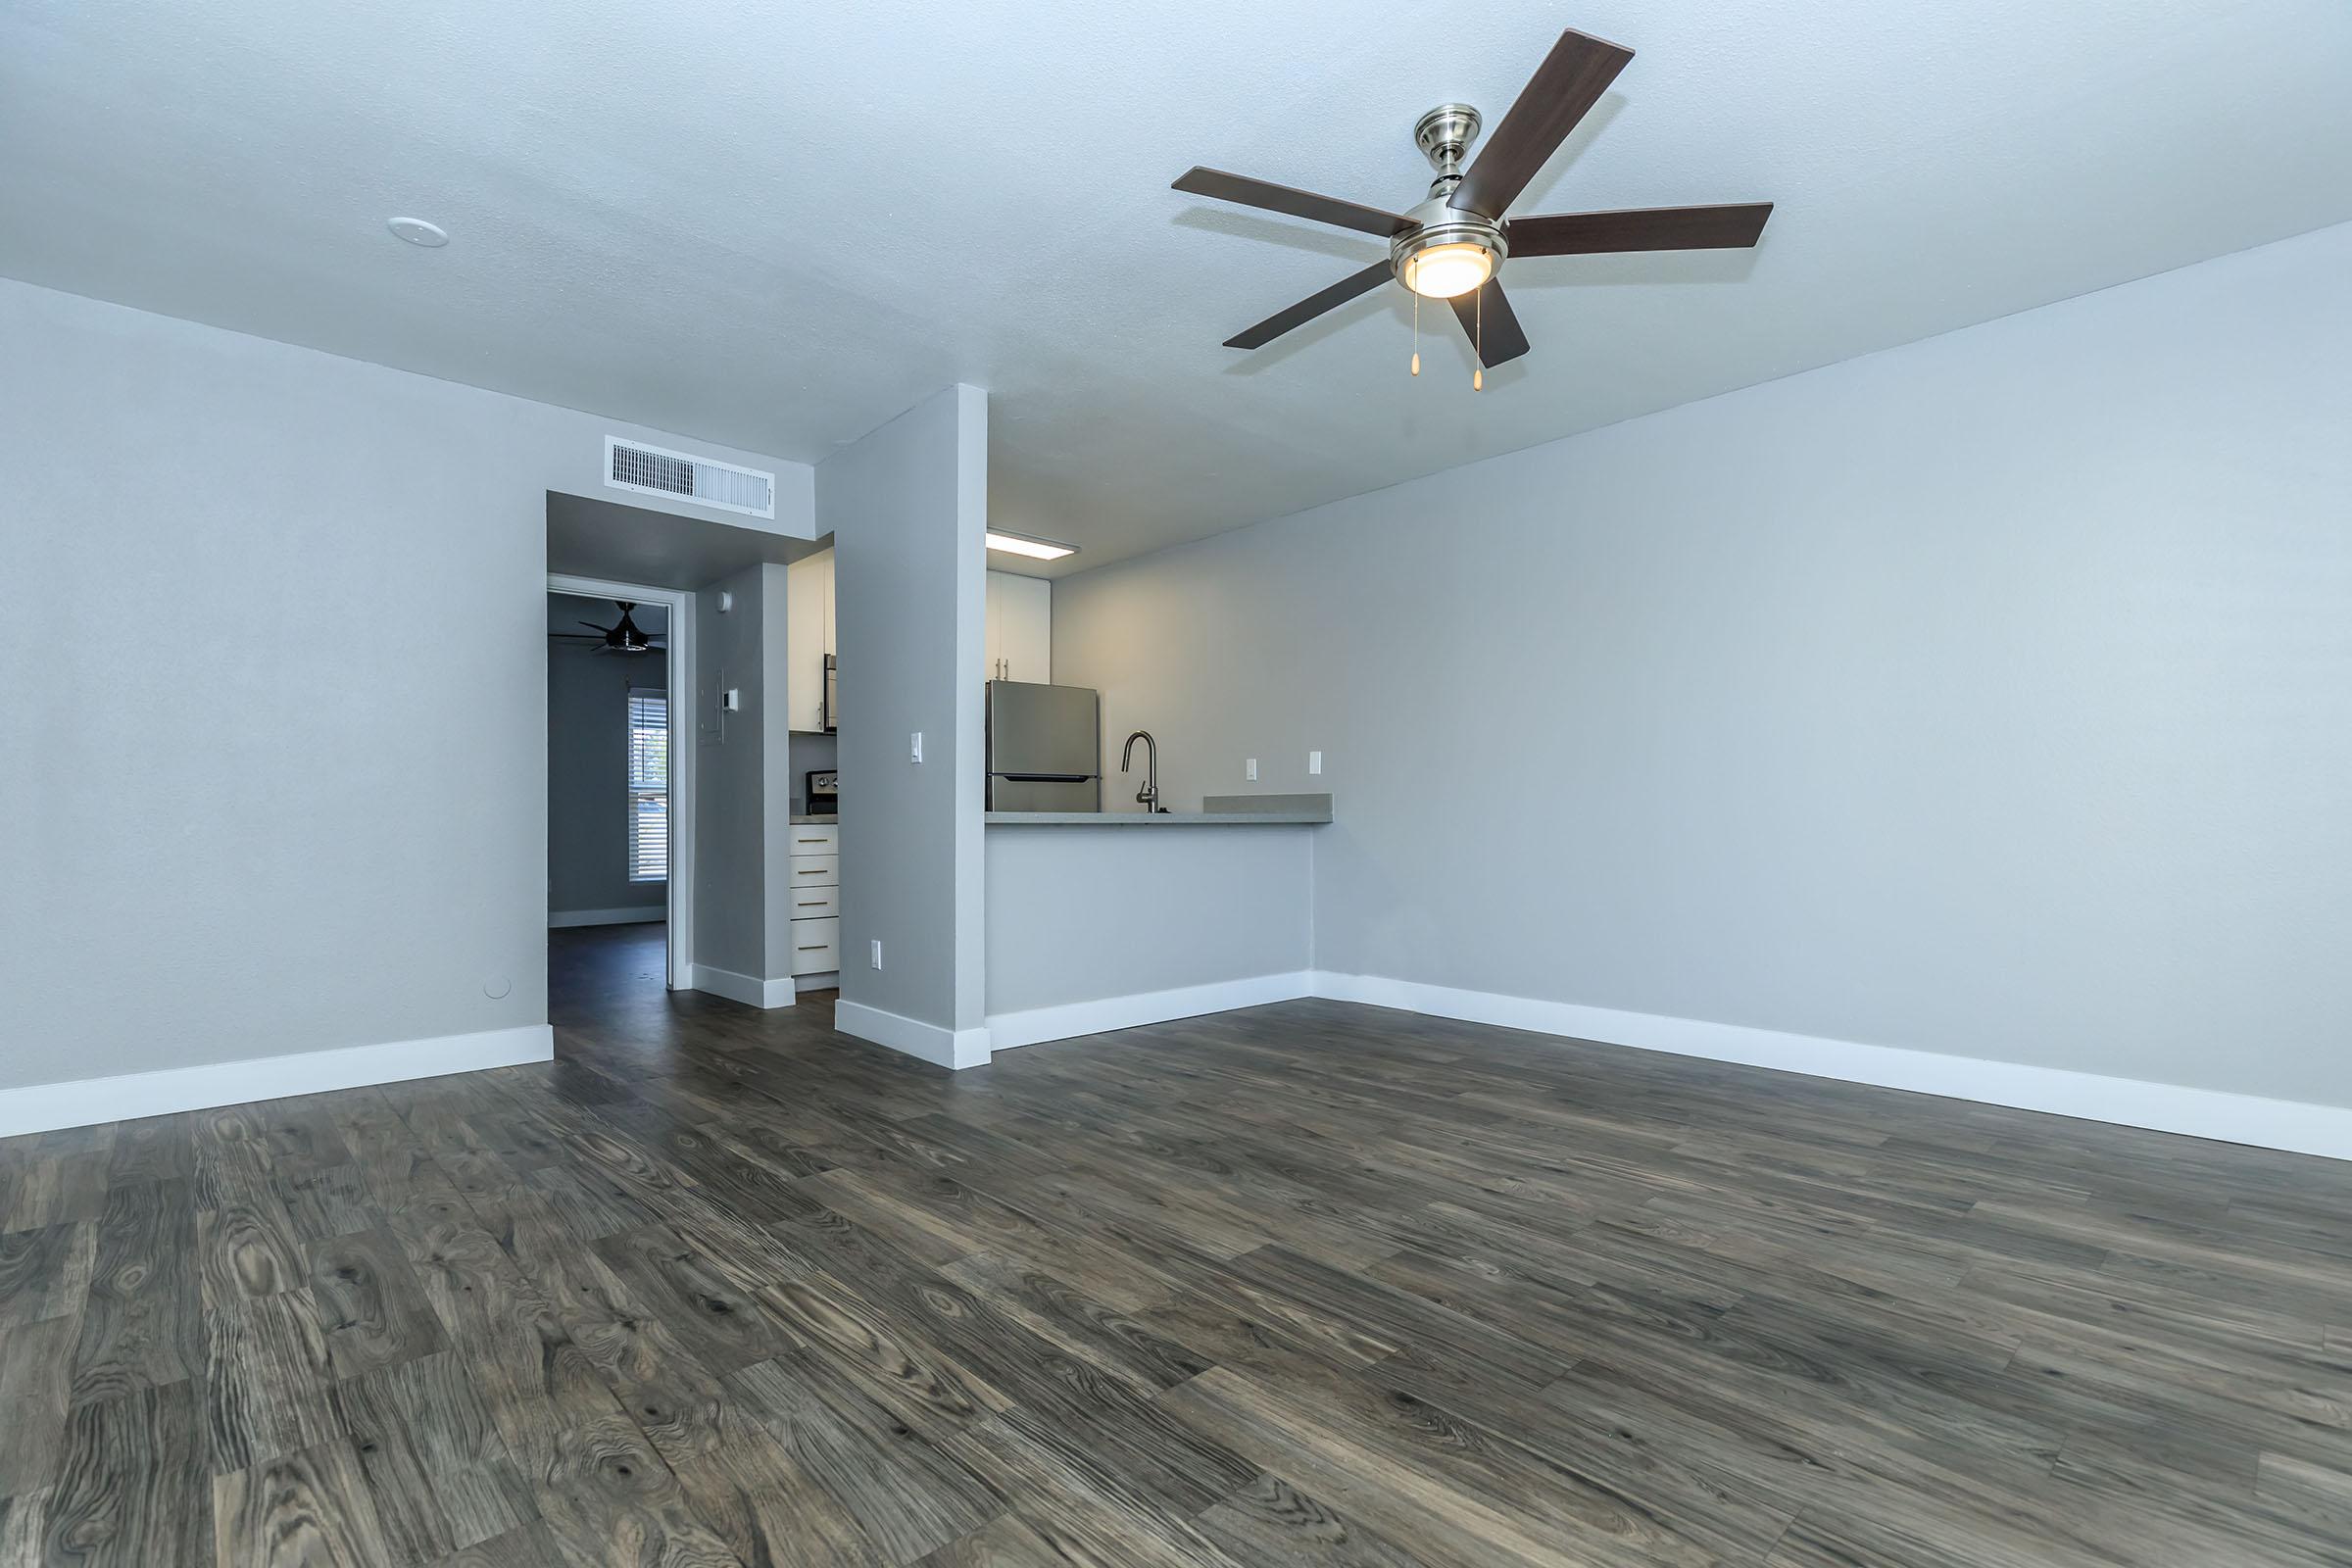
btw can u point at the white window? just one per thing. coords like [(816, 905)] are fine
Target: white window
[(648, 786)]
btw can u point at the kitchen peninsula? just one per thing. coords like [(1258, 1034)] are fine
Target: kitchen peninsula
[(1218, 811), (1110, 919)]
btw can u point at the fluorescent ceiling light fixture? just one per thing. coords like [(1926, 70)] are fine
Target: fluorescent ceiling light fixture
[(1013, 544), (1443, 272)]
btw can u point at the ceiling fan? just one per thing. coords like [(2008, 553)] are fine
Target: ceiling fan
[(1451, 246), (623, 637)]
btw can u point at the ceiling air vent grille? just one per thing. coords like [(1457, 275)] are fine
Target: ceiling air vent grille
[(655, 472)]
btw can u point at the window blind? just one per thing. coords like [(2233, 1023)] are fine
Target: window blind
[(648, 786)]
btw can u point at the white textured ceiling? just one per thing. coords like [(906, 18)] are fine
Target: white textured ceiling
[(775, 226)]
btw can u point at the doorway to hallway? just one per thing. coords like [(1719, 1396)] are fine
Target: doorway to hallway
[(620, 793)]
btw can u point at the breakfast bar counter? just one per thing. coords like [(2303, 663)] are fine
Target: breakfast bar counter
[(1104, 921)]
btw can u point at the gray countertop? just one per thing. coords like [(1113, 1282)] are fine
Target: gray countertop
[(1224, 811)]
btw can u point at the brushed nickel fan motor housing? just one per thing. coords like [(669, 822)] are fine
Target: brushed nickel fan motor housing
[(1433, 224)]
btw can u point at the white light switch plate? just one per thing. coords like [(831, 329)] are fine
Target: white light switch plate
[(914, 747), (877, 958), (1250, 770), (1314, 761)]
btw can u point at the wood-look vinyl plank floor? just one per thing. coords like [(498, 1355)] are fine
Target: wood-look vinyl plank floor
[(1306, 1284)]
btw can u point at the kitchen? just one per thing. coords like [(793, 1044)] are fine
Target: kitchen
[(1108, 904)]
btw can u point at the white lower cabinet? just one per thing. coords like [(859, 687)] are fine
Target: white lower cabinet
[(815, 898), (815, 903), (815, 947), (816, 870)]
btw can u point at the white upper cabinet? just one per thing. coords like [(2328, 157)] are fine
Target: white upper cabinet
[(808, 638), (1020, 633), (1020, 628)]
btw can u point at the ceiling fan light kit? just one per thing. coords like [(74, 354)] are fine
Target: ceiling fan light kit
[(1440, 269), (1452, 245), (1444, 252)]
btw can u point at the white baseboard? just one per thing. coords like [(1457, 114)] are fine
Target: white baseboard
[(949, 1048), (2286, 1124), (1034, 1025), (830, 980), (741, 988), (631, 917), (88, 1101)]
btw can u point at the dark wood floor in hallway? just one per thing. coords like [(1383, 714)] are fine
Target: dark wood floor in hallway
[(1312, 1284)]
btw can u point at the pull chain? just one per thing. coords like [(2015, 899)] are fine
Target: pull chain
[(1478, 339), (1416, 334)]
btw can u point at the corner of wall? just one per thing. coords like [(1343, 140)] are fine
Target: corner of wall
[(906, 505)]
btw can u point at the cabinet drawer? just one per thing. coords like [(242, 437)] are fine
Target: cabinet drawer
[(816, 837), (815, 870), (815, 946), (813, 903)]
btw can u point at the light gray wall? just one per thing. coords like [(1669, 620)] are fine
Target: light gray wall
[(1081, 914), (909, 506), (1991, 696), (730, 763), (588, 776), (246, 846)]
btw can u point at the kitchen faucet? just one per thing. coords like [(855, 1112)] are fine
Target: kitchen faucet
[(1148, 795)]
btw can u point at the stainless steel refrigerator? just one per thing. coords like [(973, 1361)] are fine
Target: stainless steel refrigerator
[(1045, 747)]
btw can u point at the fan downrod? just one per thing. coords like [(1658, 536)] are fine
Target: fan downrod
[(1445, 136)]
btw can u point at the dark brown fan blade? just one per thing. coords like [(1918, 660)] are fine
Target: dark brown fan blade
[(1649, 229), (1491, 324), (1314, 305), (1198, 181), (1562, 92)]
